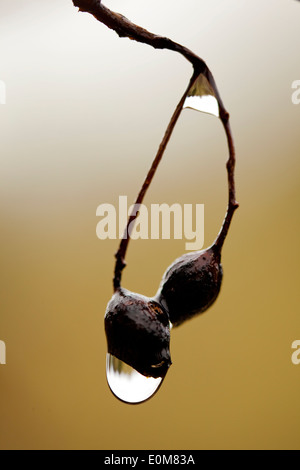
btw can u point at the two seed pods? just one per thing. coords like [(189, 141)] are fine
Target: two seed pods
[(138, 328)]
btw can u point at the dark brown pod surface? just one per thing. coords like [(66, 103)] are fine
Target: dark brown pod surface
[(138, 333), (191, 285)]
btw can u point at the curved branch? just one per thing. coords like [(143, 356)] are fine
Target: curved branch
[(121, 254), (125, 28)]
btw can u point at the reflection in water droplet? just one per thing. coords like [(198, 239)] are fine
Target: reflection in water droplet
[(205, 104), (127, 384), (202, 97)]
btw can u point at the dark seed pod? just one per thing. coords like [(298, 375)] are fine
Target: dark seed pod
[(191, 285), (138, 333)]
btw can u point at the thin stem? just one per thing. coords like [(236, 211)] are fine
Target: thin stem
[(232, 203), (125, 28), (121, 253)]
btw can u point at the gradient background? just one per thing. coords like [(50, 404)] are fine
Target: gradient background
[(84, 116)]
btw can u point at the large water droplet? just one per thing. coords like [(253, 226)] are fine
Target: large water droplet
[(127, 384), (202, 97)]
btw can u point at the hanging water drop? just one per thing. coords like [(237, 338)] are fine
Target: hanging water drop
[(138, 337), (127, 384), (202, 97)]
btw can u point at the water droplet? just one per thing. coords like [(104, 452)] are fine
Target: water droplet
[(127, 384), (202, 97)]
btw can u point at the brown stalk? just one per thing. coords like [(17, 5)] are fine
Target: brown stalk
[(121, 254), (125, 28)]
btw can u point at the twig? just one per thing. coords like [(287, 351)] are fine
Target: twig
[(232, 203), (125, 28), (121, 254)]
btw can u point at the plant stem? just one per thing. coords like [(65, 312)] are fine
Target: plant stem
[(232, 203), (121, 253), (125, 28)]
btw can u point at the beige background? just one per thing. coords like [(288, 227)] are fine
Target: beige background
[(85, 113)]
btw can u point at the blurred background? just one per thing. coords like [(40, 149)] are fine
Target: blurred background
[(85, 112)]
